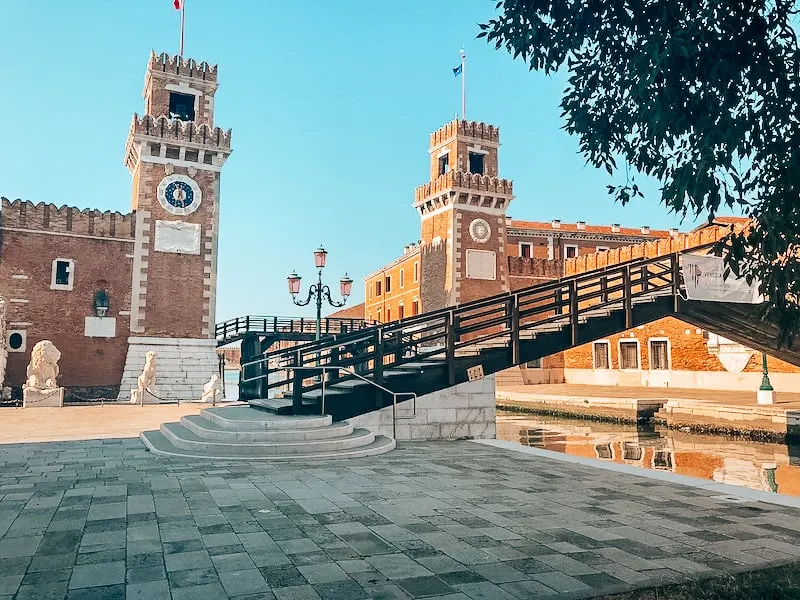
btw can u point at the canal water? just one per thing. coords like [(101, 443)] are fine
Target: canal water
[(760, 466)]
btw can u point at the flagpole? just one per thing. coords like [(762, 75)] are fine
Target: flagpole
[(463, 85), (183, 22)]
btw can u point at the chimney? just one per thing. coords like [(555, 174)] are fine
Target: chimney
[(615, 228), (673, 232), (645, 230), (581, 225), (556, 224)]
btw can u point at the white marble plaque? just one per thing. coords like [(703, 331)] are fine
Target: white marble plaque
[(481, 264), (177, 237), (105, 327)]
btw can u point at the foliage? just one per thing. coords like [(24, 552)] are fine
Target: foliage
[(702, 95)]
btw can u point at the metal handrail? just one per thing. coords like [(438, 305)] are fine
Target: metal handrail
[(394, 395)]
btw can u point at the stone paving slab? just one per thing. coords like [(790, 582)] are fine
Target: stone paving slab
[(455, 520)]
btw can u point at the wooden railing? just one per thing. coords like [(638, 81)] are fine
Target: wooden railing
[(370, 350), (240, 326)]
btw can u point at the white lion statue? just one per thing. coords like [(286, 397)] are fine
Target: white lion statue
[(43, 368), (148, 376), (211, 389)]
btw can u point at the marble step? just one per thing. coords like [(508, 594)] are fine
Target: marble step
[(157, 443), (212, 431), (246, 418), (181, 437), (278, 406)]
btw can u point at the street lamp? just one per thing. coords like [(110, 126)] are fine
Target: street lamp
[(766, 392), (317, 290)]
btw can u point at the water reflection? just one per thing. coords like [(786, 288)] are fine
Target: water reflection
[(761, 466)]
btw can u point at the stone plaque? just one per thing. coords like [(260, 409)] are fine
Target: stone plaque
[(475, 373), (104, 327), (481, 264), (177, 237)]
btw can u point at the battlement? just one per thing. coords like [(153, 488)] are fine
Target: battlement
[(180, 131), (23, 214), (656, 248), (460, 179), (183, 67), (460, 128), (535, 267)]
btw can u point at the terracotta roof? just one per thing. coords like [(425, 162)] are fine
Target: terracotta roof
[(573, 228), (724, 221), (351, 312)]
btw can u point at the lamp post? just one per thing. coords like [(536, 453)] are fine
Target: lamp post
[(766, 392), (318, 291)]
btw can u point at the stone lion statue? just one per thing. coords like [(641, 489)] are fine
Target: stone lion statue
[(43, 368), (148, 376), (211, 389)]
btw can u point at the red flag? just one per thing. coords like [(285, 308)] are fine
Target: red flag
[(177, 4)]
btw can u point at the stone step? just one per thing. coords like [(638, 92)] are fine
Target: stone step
[(212, 431), (181, 437), (160, 445), (278, 406), (246, 418)]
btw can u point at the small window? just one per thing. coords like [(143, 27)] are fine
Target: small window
[(600, 355), (388, 313), (191, 155), (602, 249), (534, 364), (525, 250), (416, 272), (444, 164), (377, 288), (628, 354), (155, 149), (370, 291), (173, 152), (415, 307), (659, 355), (388, 284), (16, 341), (570, 251), (401, 312), (380, 314), (476, 163), (181, 106), (208, 157), (402, 279), (62, 277)]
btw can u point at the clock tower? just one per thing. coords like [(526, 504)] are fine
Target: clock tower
[(175, 155)]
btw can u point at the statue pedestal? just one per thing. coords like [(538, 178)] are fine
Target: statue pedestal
[(147, 397), (36, 398)]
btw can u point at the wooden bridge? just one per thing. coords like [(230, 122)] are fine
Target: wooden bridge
[(439, 349)]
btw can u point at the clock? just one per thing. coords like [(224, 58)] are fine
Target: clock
[(480, 231), (179, 194)]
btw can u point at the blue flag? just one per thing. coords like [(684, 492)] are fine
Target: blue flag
[(457, 70)]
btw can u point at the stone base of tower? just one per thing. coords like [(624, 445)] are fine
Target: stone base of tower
[(183, 367)]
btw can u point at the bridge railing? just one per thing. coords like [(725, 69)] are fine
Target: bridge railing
[(440, 334), (240, 326)]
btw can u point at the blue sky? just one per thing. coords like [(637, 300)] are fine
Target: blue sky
[(330, 103)]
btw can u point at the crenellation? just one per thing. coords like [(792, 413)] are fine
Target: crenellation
[(24, 214), (472, 129), (185, 67), (181, 131), (459, 179)]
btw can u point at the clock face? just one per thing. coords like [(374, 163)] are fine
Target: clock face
[(179, 194)]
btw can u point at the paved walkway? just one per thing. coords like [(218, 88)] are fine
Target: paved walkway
[(784, 400), (458, 520), (22, 425)]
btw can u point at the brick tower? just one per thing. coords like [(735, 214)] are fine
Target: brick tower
[(463, 212), (175, 155)]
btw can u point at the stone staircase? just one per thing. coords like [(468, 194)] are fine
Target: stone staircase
[(246, 433)]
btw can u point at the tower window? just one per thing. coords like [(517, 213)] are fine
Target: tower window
[(155, 149), (181, 106), (191, 155), (208, 158), (444, 164), (476, 163), (173, 152)]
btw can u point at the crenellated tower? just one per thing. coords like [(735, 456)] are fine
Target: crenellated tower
[(463, 211), (175, 156)]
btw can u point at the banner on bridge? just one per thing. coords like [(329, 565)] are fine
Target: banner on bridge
[(704, 279)]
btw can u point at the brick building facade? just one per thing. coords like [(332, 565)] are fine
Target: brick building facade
[(154, 269)]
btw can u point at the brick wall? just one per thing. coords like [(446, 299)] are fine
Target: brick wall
[(101, 259)]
